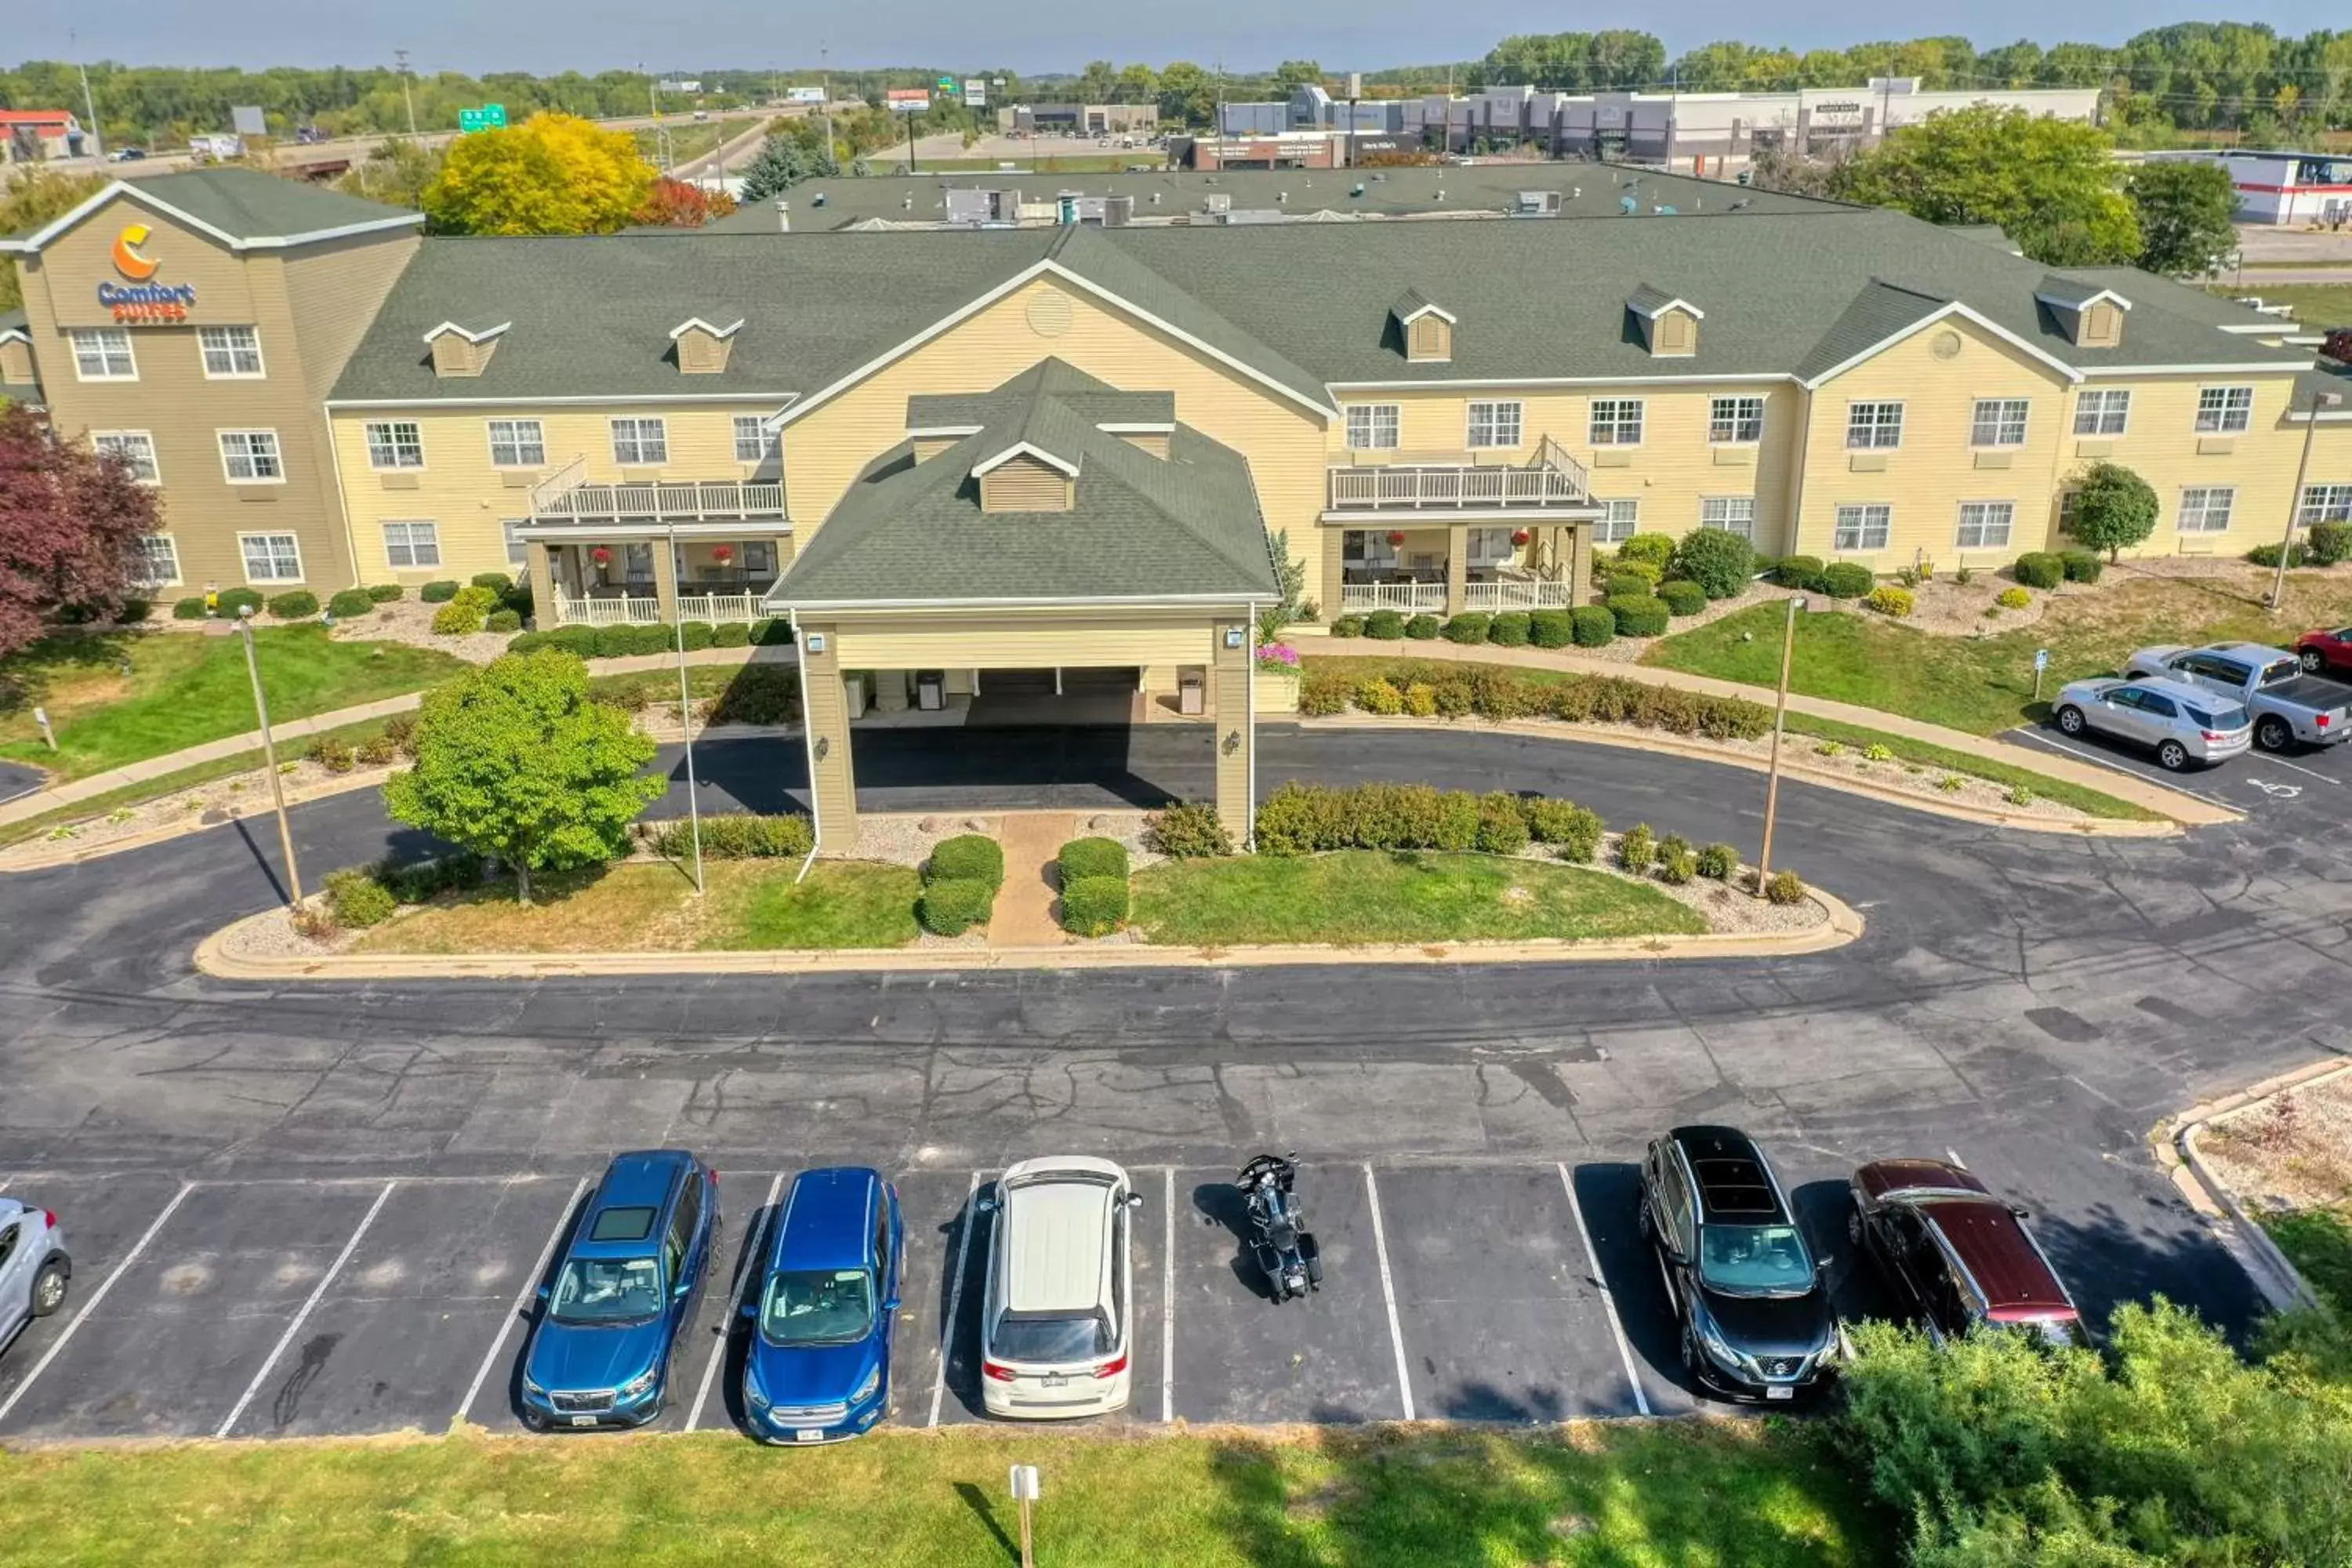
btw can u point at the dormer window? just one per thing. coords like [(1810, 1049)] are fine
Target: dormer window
[(463, 351), (1025, 477), (702, 348), (1426, 327), (2091, 317), (1668, 322)]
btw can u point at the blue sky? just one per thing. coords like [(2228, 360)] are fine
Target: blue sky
[(546, 36)]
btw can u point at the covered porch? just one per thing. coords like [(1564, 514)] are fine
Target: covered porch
[(1447, 569), (613, 580)]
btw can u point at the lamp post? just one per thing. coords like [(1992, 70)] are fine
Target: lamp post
[(269, 757), (1780, 718), (401, 58), (2320, 398), (685, 724)]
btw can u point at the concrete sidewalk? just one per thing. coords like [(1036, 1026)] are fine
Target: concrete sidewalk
[(1024, 915)]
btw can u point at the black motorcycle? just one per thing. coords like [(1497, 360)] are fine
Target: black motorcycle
[(1278, 1236)]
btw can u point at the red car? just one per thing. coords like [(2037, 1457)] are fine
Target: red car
[(1960, 1257), (2325, 652)]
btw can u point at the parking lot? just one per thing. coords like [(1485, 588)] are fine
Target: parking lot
[(2283, 784), (261, 1309)]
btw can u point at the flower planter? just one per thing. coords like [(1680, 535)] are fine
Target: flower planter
[(1278, 691)]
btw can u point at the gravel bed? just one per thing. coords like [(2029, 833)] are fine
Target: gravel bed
[(411, 621), (905, 838), (272, 935), (1629, 650), (2292, 1151)]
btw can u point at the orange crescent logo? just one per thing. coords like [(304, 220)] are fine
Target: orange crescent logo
[(126, 259)]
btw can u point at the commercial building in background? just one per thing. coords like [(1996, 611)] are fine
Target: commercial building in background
[(2282, 188), (1077, 119), (37, 135)]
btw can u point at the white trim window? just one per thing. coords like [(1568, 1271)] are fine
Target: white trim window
[(395, 444), (135, 448), (1874, 427), (1985, 524), (271, 557), (230, 354), (516, 444), (251, 457), (2103, 411), (1998, 422), (518, 547), (1865, 525), (754, 442), (1615, 422), (2324, 503), (408, 546), (2224, 410), (641, 443), (1495, 424), (1735, 421), (103, 354), (2205, 509), (157, 558), (1373, 426), (1620, 520), (1734, 514)]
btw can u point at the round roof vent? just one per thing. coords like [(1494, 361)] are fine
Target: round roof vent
[(1049, 313), (1945, 345)]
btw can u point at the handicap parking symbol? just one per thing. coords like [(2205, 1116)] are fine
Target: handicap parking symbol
[(2276, 791)]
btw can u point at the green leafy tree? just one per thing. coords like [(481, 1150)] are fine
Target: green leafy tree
[(781, 163), (516, 760), (33, 198), (1137, 84), (2114, 508), (1291, 75), (1187, 96), (2051, 184), (2185, 211)]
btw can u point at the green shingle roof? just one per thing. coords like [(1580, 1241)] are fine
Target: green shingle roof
[(252, 207), (17, 391), (1143, 526), (1097, 401)]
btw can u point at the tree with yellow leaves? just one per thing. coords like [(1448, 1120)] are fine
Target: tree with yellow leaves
[(554, 173)]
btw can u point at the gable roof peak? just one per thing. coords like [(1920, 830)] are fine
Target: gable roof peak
[(1412, 304), (1650, 301), (695, 323)]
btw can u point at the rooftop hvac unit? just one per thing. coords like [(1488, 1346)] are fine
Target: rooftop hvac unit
[(1117, 211), (1217, 202)]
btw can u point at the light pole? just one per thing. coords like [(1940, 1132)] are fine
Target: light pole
[(686, 725), (1780, 718), (269, 757), (88, 103), (2319, 399), (401, 58)]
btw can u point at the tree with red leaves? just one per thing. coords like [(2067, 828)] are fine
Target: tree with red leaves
[(70, 522), (673, 204)]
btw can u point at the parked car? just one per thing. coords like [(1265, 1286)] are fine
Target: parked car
[(1054, 1329), (600, 1354), (1961, 1258), (2179, 722), (2287, 705), (34, 1267), (126, 155), (2325, 652), (818, 1365), (1753, 1305)]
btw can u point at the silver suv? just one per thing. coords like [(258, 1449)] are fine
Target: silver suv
[(34, 1267), (2179, 722)]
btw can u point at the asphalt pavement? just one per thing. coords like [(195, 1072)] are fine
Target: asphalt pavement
[(317, 1207)]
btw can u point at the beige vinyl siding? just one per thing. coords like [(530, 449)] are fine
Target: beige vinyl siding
[(702, 353), (2161, 446), (16, 361), (835, 783), (1018, 642), (1433, 339), (1025, 484), (334, 290)]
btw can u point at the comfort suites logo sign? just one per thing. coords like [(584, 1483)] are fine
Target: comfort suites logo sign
[(142, 300)]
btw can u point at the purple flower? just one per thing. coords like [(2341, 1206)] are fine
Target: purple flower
[(1277, 656)]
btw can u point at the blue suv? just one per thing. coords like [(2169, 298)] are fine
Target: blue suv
[(818, 1366), (600, 1354)]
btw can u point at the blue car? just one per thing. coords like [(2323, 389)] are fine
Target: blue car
[(818, 1366), (600, 1354)]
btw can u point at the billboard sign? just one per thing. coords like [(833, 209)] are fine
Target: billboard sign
[(908, 100), (975, 92), (803, 95), (246, 120)]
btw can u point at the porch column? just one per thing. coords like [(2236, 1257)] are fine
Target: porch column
[(1457, 569), (833, 783), (1230, 673), (666, 578), (1330, 571), (541, 576)]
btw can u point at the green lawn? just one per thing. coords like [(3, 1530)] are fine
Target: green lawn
[(1375, 896), (1703, 1495), (2315, 305), (184, 689), (2318, 1241)]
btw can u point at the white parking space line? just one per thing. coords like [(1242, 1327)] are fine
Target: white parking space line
[(1168, 1311), (955, 1299), (318, 1290), (2274, 760), (1388, 1292), (529, 1283), (97, 1296), (1607, 1300), (2170, 782), (727, 1322)]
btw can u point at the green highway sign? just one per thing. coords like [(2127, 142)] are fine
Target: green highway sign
[(489, 117)]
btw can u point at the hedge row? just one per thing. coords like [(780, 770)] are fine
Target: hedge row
[(1636, 612), (959, 884), (735, 836), (1189, 830), (1309, 819), (1493, 691), (359, 895), (628, 639)]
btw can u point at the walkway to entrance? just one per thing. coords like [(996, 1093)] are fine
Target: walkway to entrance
[(1024, 916)]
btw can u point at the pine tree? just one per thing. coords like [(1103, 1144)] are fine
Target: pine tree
[(779, 165)]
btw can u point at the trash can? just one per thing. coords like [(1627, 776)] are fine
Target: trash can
[(853, 693), (1192, 692), (931, 689)]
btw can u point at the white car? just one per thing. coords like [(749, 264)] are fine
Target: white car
[(34, 1268), (1056, 1335)]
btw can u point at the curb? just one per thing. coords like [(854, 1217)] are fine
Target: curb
[(2174, 1141), (1650, 740), (212, 958), (67, 853)]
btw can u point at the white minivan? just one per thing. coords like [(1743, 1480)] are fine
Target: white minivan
[(1056, 1339)]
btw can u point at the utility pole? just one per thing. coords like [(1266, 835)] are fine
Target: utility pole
[(89, 104), (2319, 400), (269, 758), (1779, 720), (686, 729), (400, 58)]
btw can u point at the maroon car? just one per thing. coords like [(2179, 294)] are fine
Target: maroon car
[(2325, 652), (1960, 1256)]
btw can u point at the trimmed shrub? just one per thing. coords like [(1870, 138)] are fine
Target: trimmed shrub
[(1890, 600), (1093, 906), (758, 694), (458, 619), (2080, 566), (401, 730), (1470, 627), (1551, 628), (2012, 598), (2328, 542), (578, 640), (1502, 823), (1572, 831), (1683, 598), (1512, 628), (1420, 700), (1639, 615), (730, 634), (294, 604), (1846, 580), (1637, 848), (696, 635), (967, 857), (2038, 569), (384, 592), (1384, 625), (1378, 696), (1422, 628), (1628, 584), (1084, 858), (1784, 887), (737, 835), (437, 593), (1719, 561), (504, 621), (1657, 549), (518, 599), (235, 602), (188, 609), (496, 582), (1191, 830), (357, 899), (2261, 555), (1650, 573), (1323, 691), (351, 603), (1719, 861), (1593, 625), (953, 905), (1348, 626), (377, 752), (415, 883), (1677, 867), (333, 753), (1802, 573), (616, 641)]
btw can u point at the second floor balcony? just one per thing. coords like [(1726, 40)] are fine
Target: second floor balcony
[(567, 497), (1389, 481)]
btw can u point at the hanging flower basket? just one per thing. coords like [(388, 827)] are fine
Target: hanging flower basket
[(1396, 536), (601, 555), (1519, 536), (723, 553)]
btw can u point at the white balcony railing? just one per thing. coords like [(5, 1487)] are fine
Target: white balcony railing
[(717, 608), (1553, 479), (1409, 597), (564, 497), (645, 610), (1518, 594)]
